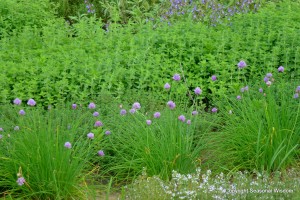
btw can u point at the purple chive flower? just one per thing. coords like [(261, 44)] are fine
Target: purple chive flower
[(17, 101), (181, 118), (90, 135), (195, 112), (242, 64), (22, 112), (298, 89), (17, 128), (197, 91), (95, 114), (246, 88), (167, 86), (31, 102), (1, 129), (136, 106), (188, 121), (101, 153), (280, 69), (261, 90), (74, 106), (269, 75), (156, 115), (21, 181), (214, 78), (98, 124), (132, 110), (214, 110), (176, 77), (242, 90), (68, 145), (171, 104), (296, 96), (123, 112), (107, 132), (148, 121), (238, 97), (92, 106), (266, 79)]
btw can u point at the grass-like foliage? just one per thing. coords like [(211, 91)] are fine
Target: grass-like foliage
[(46, 154), (263, 130)]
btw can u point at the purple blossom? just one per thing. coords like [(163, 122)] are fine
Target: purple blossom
[(238, 97), (16, 128), (68, 145), (148, 121), (17, 101), (171, 104), (298, 89), (101, 153), (266, 79), (132, 110), (74, 106), (90, 135), (92, 106), (246, 88), (21, 181), (181, 118), (188, 121), (214, 78), (176, 77), (98, 124), (156, 115), (22, 112), (167, 86), (280, 69), (242, 64), (261, 90), (197, 91), (242, 90), (136, 106), (123, 112), (195, 112), (31, 102), (296, 96), (107, 132), (95, 114), (214, 110), (269, 75), (1, 129)]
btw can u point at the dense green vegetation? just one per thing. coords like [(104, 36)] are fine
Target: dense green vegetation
[(144, 93)]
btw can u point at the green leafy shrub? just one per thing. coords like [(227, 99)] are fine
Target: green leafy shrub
[(17, 14), (80, 62)]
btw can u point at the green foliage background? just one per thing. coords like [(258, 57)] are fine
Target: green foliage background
[(57, 62)]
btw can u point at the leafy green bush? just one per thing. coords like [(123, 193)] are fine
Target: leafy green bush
[(80, 62), (17, 14), (35, 159)]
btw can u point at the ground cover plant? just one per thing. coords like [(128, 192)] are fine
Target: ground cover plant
[(136, 99)]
